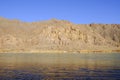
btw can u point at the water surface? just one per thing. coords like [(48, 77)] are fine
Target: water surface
[(59, 66)]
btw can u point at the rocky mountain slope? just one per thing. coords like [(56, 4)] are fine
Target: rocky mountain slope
[(57, 35)]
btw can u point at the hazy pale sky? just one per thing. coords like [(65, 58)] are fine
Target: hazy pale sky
[(76, 11)]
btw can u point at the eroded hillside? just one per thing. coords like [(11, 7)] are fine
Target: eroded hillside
[(57, 35)]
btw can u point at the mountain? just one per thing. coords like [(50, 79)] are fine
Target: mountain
[(57, 35)]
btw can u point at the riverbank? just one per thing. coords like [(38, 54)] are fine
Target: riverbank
[(59, 51)]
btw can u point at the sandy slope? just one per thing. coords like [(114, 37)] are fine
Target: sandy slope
[(57, 35)]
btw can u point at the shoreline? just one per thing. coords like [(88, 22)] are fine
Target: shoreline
[(59, 51)]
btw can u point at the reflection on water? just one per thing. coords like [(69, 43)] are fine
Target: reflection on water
[(59, 66)]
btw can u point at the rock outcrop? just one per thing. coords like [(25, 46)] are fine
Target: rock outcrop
[(57, 35)]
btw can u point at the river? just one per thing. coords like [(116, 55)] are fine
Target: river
[(66, 66)]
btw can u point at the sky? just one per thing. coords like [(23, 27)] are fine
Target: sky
[(76, 11)]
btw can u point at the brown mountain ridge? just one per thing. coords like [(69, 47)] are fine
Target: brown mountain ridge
[(57, 35)]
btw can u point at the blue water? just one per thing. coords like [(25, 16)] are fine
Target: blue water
[(60, 66)]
